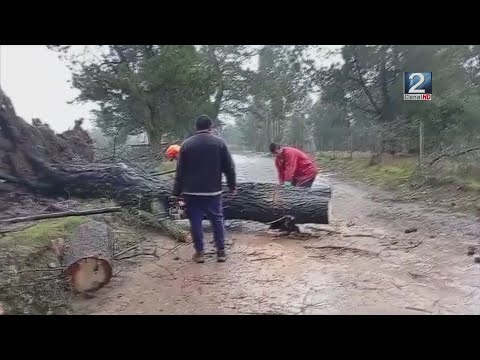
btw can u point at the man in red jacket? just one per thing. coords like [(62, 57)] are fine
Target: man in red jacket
[(295, 168)]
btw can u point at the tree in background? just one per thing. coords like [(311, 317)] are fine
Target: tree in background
[(160, 89), (279, 92), (232, 77), (368, 89), (290, 98), (232, 135)]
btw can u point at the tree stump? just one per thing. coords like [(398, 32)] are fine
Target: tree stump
[(89, 257)]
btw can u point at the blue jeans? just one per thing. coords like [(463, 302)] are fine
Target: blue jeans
[(211, 206)]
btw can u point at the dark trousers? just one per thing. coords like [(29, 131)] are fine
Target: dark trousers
[(305, 184), (211, 206)]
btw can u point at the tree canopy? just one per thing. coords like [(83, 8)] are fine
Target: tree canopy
[(283, 93)]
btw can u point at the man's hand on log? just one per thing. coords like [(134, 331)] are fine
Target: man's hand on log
[(232, 191)]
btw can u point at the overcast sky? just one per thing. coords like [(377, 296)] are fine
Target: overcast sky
[(36, 81)]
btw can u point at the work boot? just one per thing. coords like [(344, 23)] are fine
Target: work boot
[(221, 256), (198, 257)]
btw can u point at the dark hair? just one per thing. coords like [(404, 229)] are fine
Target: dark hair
[(203, 123), (274, 147)]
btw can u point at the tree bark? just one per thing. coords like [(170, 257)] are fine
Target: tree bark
[(88, 260), (220, 84), (263, 202), (153, 128), (268, 202), (118, 182)]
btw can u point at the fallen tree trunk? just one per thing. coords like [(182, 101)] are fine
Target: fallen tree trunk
[(88, 260), (118, 182), (263, 202), (269, 202)]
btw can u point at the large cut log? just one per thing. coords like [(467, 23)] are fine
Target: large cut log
[(88, 260), (119, 182), (268, 202), (263, 202)]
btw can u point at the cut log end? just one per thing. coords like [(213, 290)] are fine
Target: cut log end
[(88, 261), (328, 220), (89, 274)]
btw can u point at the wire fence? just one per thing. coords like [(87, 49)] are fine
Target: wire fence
[(408, 141)]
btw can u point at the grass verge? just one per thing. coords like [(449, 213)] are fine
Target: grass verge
[(42, 232), (446, 185), (29, 280), (389, 175)]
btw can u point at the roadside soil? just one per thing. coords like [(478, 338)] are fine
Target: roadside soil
[(389, 257)]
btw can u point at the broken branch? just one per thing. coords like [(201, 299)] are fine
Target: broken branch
[(417, 244), (265, 258), (173, 276), (414, 245), (61, 214), (341, 248), (44, 269), (326, 229), (453, 155), (417, 309), (173, 249), (153, 253), (163, 173), (126, 250), (358, 235)]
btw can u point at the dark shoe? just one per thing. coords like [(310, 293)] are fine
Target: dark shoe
[(198, 257), (221, 256)]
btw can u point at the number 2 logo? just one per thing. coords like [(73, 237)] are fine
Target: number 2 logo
[(413, 89)]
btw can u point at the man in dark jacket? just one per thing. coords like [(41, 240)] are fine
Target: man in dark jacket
[(202, 161)]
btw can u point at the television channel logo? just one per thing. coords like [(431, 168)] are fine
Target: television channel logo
[(417, 86)]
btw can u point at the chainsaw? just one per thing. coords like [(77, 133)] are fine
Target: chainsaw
[(176, 208)]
